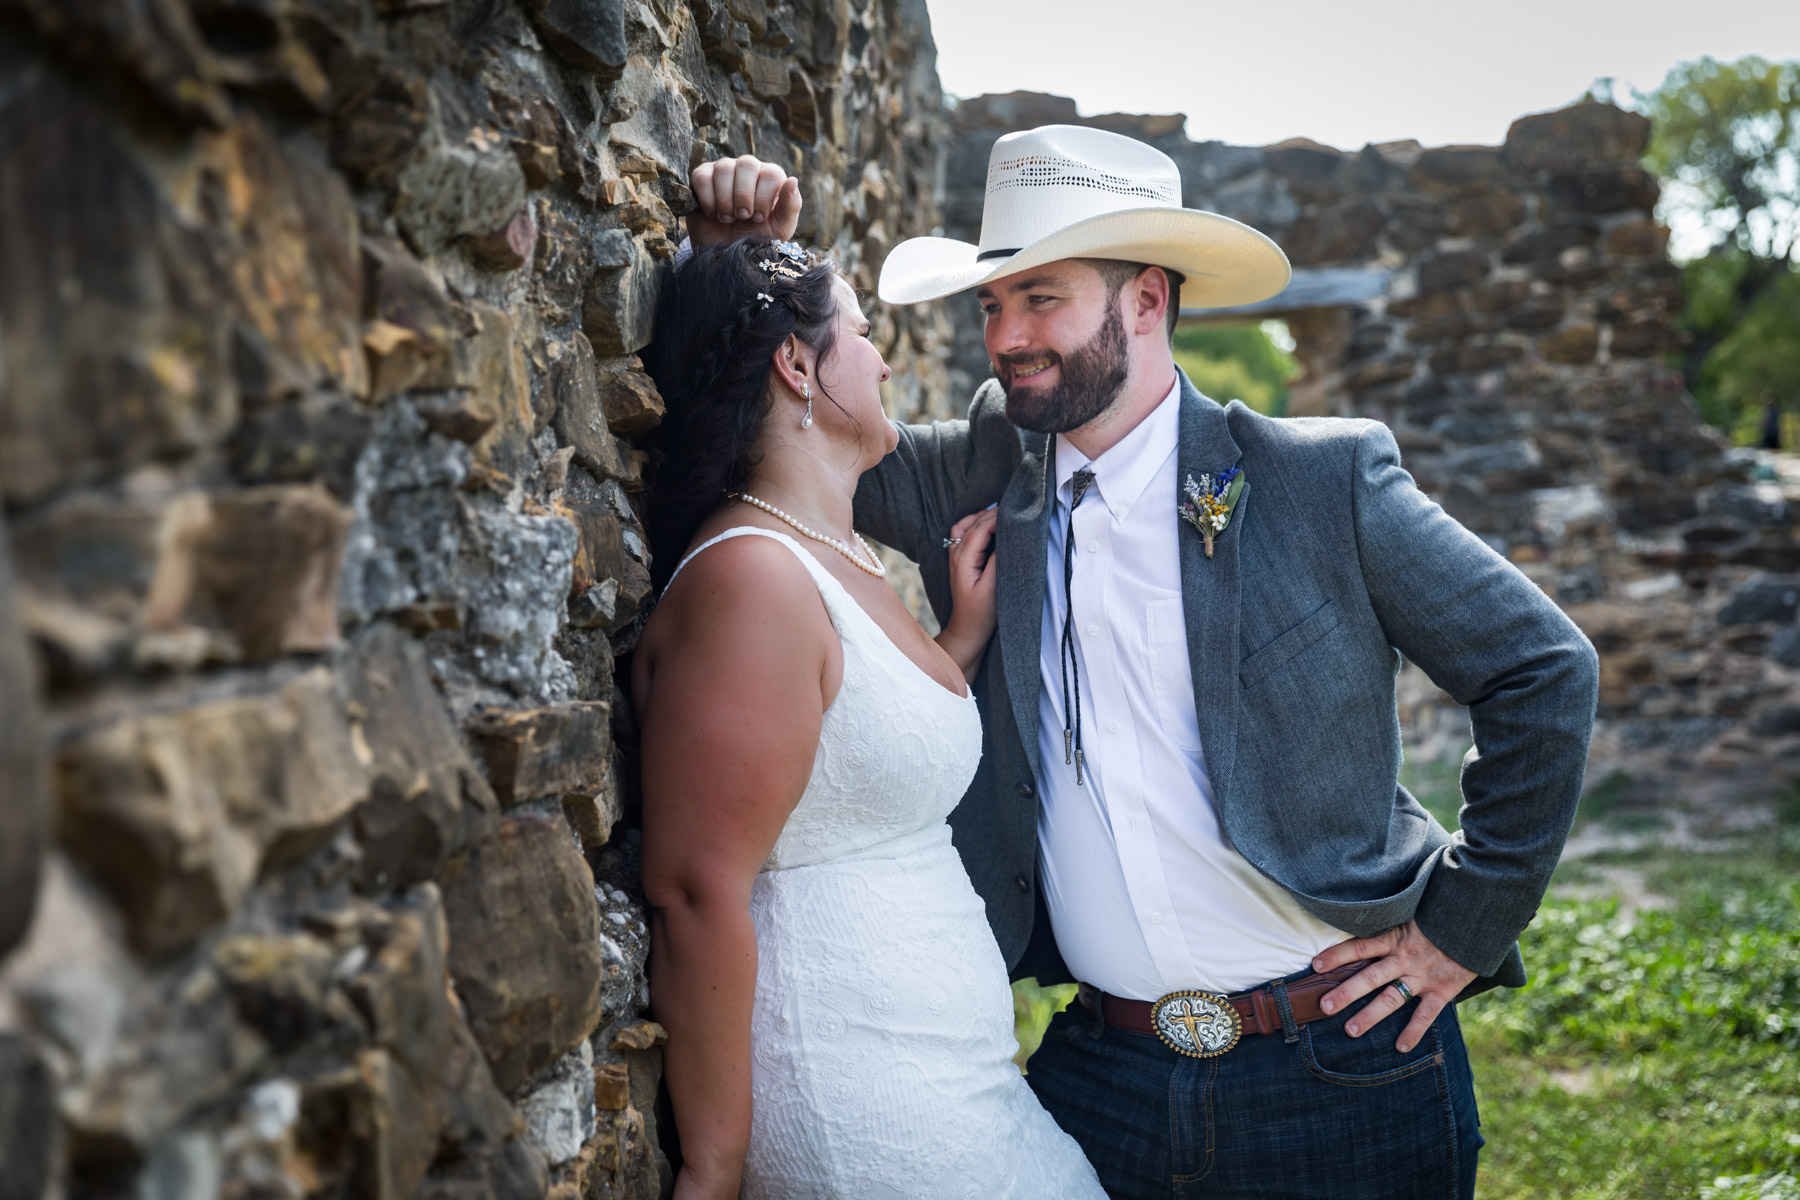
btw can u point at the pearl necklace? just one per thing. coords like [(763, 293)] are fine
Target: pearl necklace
[(877, 570)]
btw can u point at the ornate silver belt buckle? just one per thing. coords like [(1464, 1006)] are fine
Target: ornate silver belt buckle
[(1198, 1024)]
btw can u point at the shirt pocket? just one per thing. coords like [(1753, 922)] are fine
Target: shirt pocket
[(1171, 678)]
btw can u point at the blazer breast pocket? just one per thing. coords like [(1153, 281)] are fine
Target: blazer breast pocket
[(1288, 646)]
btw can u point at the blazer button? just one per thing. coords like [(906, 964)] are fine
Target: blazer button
[(1024, 884), (1025, 789)]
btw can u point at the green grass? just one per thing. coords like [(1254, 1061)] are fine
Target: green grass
[(1656, 1053), (1437, 785), (1779, 1186)]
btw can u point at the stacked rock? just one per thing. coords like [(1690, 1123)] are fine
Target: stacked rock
[(319, 324)]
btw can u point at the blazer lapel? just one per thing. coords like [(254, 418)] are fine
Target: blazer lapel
[(1209, 588), (1021, 551)]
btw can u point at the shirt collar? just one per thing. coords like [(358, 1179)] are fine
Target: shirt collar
[(1126, 469)]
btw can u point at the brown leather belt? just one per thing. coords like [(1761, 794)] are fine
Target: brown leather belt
[(1256, 1008)]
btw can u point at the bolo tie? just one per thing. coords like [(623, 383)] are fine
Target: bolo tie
[(1079, 482)]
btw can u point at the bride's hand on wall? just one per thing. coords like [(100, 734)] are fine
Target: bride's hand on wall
[(972, 604), (739, 197)]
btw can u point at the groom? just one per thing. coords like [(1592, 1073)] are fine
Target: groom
[(1187, 800)]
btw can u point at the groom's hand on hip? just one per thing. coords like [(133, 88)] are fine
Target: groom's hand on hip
[(738, 197), (1402, 957)]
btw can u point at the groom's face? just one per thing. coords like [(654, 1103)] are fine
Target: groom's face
[(1057, 341)]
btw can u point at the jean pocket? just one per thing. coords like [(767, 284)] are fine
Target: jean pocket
[(1422, 1060), (1070, 1023)]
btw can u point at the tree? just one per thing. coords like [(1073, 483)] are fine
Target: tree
[(1752, 371), (1238, 362), (1726, 141)]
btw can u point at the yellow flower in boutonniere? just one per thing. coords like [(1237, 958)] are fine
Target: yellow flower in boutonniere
[(1210, 501)]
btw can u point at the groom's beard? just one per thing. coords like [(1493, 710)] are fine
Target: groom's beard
[(1088, 381)]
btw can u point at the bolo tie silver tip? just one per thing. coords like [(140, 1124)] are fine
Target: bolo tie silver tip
[(1068, 747), (1080, 761)]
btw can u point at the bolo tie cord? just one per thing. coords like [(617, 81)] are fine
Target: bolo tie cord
[(1066, 657)]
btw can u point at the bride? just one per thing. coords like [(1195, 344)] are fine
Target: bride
[(839, 1018)]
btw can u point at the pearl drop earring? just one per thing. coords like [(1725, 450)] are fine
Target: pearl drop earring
[(806, 394)]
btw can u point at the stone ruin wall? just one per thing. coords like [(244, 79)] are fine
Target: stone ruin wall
[(317, 419), (1509, 311), (318, 402)]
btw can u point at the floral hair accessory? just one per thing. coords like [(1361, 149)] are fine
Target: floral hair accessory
[(1210, 502), (791, 263)]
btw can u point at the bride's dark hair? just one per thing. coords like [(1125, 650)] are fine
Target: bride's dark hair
[(714, 349)]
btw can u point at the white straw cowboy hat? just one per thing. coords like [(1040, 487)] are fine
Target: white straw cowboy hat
[(1064, 191)]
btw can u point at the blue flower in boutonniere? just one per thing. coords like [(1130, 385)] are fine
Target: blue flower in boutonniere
[(1210, 501)]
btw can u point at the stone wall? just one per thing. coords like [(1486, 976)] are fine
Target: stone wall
[(322, 527), (1509, 311), (322, 512)]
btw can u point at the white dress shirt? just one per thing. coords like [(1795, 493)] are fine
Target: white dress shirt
[(1146, 894)]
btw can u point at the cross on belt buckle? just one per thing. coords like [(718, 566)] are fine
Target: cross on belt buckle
[(1198, 1024)]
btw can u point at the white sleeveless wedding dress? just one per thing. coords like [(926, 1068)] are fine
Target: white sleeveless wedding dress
[(882, 1036)]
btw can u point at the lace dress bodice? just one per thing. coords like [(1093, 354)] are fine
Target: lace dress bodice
[(896, 748)]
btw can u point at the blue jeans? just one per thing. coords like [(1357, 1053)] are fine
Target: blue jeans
[(1307, 1113)]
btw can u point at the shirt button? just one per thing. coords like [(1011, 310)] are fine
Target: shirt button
[(1093, 631), (1156, 918), (1024, 884), (1093, 547), (1112, 727)]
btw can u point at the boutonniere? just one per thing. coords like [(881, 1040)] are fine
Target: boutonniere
[(1210, 501)]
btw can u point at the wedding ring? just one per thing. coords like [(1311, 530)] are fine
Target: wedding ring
[(953, 541), (1406, 993)]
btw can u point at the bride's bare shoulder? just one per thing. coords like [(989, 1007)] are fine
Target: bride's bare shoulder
[(745, 592), (735, 572)]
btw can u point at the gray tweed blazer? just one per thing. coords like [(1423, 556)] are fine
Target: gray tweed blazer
[(1334, 565)]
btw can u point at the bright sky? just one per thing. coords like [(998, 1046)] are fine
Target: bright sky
[(1343, 72)]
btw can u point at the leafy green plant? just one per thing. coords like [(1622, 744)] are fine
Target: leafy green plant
[(1725, 138), (1752, 358), (1237, 362), (1033, 1006)]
